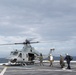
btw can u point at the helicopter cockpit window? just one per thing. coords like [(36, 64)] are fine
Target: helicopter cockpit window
[(15, 53), (20, 55), (11, 52)]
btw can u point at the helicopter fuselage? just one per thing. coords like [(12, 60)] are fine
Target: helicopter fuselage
[(27, 57)]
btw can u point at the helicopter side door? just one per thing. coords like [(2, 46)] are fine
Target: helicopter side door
[(20, 57), (31, 57)]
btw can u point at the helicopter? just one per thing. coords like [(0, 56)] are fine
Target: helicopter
[(28, 55)]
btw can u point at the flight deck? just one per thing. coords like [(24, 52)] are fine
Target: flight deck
[(38, 70)]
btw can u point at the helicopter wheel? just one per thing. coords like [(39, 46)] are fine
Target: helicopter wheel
[(22, 64), (32, 63)]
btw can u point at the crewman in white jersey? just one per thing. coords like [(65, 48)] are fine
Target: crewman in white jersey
[(51, 60)]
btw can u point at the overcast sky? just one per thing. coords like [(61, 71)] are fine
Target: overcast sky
[(52, 21)]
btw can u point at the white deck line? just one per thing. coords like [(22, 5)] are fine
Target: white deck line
[(3, 71)]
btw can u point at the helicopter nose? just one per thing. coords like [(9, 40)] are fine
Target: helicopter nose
[(14, 60)]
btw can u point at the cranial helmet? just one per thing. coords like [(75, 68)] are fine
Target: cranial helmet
[(67, 54), (50, 54)]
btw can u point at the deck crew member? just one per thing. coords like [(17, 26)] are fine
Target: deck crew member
[(41, 59), (51, 60), (62, 64), (68, 58)]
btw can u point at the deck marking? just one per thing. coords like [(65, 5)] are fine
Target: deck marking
[(3, 71), (66, 70)]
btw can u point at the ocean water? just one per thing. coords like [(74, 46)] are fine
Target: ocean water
[(4, 60), (58, 58)]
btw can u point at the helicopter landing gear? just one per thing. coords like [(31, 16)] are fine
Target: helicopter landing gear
[(23, 64), (30, 63)]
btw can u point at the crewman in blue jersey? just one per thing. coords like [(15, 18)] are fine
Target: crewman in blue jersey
[(68, 58)]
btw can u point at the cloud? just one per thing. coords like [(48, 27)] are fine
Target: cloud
[(45, 20)]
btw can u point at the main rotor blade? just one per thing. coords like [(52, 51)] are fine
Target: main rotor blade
[(45, 42), (19, 43), (8, 44), (12, 44), (34, 42)]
